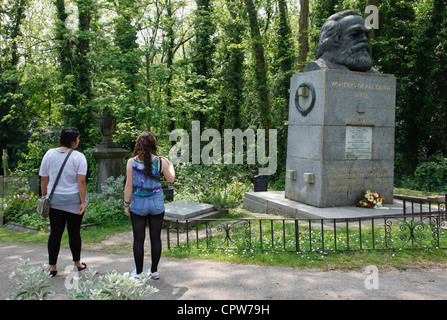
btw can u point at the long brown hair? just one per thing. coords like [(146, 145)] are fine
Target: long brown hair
[(146, 146)]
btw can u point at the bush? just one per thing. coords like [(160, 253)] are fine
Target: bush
[(431, 175), (220, 185), (108, 205), (22, 209), (111, 286), (32, 281)]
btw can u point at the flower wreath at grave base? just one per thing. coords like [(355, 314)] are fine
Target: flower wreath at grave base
[(369, 199)]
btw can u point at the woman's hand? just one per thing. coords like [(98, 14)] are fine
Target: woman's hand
[(81, 209), (127, 211)]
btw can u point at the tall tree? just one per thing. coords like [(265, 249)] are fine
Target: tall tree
[(231, 95), (202, 53), (149, 34), (75, 66), (303, 41), (85, 8), (169, 47), (260, 66), (321, 10), (13, 119), (129, 61), (409, 43), (66, 56), (429, 59), (284, 56)]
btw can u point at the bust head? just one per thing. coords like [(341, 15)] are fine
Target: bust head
[(343, 43)]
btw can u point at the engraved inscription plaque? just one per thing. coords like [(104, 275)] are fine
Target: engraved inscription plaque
[(358, 142)]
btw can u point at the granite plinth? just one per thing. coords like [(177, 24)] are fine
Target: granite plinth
[(274, 202), (344, 141)]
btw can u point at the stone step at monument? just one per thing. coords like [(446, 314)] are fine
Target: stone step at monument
[(274, 202)]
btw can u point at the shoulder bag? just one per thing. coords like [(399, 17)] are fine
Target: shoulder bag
[(44, 203)]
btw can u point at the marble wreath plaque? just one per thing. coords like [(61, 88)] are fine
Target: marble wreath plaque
[(340, 137)]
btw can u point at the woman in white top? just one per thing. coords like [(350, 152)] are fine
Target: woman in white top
[(69, 198)]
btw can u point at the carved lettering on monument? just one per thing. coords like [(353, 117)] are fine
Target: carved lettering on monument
[(360, 121), (357, 178)]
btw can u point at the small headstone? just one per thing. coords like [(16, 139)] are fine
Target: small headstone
[(183, 210), (260, 183)]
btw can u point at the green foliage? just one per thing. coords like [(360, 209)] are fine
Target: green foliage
[(220, 185), (111, 286), (431, 175), (108, 205), (32, 281), (39, 143), (160, 65), (407, 45), (22, 210)]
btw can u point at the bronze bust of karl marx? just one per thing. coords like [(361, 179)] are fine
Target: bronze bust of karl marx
[(343, 44)]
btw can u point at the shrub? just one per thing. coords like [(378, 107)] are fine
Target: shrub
[(108, 205), (431, 175), (32, 281), (220, 185), (22, 209), (33, 284), (111, 286)]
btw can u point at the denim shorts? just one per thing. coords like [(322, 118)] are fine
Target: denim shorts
[(143, 206)]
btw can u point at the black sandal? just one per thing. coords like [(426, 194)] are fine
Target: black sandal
[(53, 273), (82, 268)]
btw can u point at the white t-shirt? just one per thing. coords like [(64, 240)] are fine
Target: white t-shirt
[(67, 188)]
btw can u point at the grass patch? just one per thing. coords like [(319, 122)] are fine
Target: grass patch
[(316, 258), (331, 260), (416, 193), (93, 234), (318, 246)]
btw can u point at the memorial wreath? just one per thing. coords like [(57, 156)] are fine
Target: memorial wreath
[(369, 199)]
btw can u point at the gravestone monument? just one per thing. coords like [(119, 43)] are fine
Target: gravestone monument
[(341, 121), (109, 156)]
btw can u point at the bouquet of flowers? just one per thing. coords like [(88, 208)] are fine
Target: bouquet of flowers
[(370, 199)]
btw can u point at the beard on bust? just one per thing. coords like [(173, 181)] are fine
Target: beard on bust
[(356, 57)]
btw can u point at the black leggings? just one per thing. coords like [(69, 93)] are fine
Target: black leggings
[(58, 219), (139, 234)]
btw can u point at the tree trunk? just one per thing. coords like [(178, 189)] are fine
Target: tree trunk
[(303, 34), (83, 44), (260, 70)]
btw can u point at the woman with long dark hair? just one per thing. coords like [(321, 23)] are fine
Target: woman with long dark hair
[(143, 198), (69, 198)]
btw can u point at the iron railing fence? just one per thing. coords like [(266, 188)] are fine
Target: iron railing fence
[(410, 230)]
